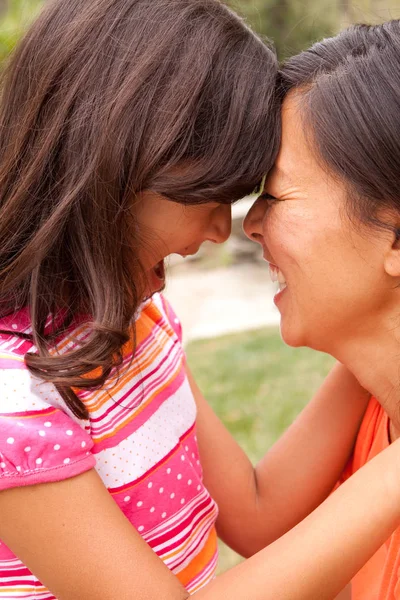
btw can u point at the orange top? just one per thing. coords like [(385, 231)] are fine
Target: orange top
[(379, 579)]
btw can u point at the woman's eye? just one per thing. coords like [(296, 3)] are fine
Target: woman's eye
[(270, 199)]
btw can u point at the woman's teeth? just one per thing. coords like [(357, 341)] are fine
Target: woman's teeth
[(277, 275)]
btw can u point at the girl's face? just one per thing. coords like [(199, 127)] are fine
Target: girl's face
[(332, 272), (167, 227)]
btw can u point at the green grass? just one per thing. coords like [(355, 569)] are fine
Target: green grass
[(257, 386)]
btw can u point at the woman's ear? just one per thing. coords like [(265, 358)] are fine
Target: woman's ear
[(392, 257)]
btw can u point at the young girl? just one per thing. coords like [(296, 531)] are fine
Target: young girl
[(329, 226), (127, 129)]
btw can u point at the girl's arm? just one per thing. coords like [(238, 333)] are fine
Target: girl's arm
[(75, 539), (259, 504)]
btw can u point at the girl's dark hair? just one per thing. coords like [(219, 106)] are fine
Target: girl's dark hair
[(349, 98), (101, 100)]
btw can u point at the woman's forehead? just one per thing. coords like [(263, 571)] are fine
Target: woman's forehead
[(293, 160), (297, 165)]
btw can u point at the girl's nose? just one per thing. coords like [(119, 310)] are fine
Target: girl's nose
[(252, 224), (221, 224)]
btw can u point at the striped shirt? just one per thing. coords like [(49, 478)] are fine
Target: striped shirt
[(140, 437)]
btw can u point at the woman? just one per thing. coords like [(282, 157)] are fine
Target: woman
[(329, 225)]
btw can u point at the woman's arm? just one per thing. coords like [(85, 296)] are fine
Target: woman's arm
[(75, 539), (345, 594), (319, 556), (259, 504)]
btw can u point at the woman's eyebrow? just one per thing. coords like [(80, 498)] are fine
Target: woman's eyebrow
[(282, 174)]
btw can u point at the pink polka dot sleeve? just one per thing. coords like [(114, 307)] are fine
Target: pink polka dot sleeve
[(40, 441)]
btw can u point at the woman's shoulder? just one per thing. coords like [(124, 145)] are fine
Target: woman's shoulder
[(372, 438)]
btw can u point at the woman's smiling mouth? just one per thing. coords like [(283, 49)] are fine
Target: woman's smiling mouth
[(277, 276), (275, 273)]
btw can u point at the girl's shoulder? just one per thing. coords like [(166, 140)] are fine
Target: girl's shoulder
[(15, 342), (156, 317), (40, 439), (158, 312)]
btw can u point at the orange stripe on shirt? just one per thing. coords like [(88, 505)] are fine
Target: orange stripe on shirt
[(200, 561)]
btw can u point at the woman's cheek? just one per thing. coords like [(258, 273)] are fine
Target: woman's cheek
[(280, 229)]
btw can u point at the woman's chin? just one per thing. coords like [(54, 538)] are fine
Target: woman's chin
[(301, 337), (292, 335)]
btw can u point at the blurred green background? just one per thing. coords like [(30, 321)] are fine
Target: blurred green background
[(255, 383), (15, 15), (295, 24), (292, 24)]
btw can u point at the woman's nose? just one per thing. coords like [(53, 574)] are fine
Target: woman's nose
[(252, 224), (221, 224)]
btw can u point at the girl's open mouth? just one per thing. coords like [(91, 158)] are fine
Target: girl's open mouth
[(159, 270), (156, 278)]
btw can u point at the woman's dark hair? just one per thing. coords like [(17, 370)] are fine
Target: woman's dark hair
[(349, 99), (101, 100)]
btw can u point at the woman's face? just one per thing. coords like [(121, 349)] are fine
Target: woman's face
[(331, 270), (167, 227)]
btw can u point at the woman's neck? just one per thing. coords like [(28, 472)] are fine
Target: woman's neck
[(375, 360)]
